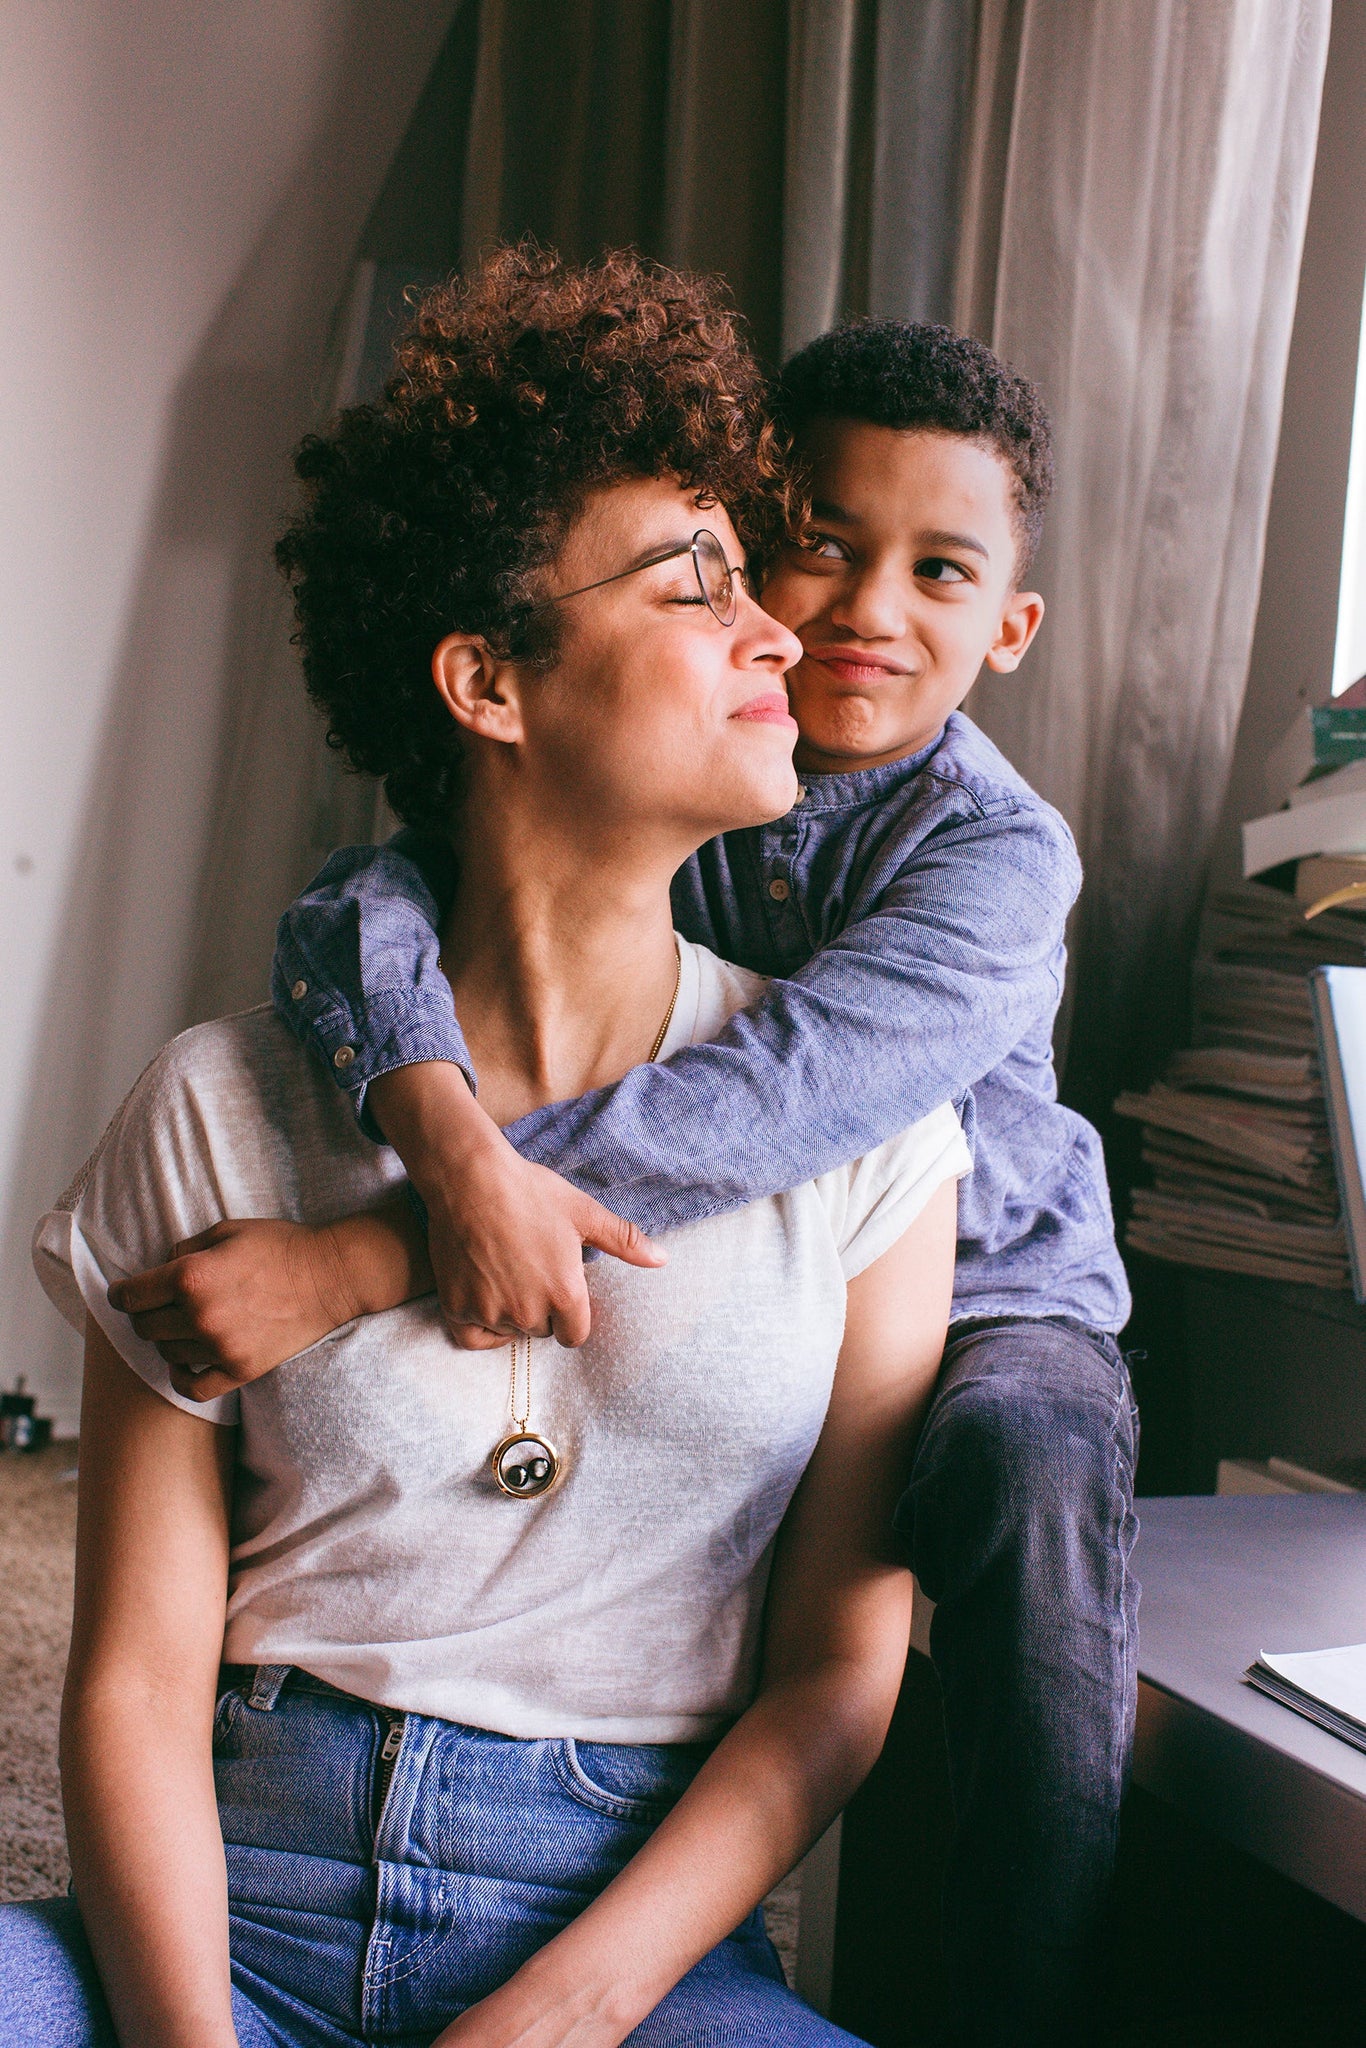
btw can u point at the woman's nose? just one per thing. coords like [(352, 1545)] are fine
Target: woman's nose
[(760, 639)]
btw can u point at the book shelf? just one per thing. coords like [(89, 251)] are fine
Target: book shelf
[(1272, 1370)]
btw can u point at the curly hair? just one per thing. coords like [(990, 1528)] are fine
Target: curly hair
[(897, 373), (519, 389)]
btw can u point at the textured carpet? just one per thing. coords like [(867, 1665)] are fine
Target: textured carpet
[(37, 1541)]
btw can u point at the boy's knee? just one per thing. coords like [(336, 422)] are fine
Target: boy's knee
[(1031, 1444), (1021, 1443)]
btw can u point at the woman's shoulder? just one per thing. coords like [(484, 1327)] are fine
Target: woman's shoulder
[(222, 1115), (232, 1118), (250, 1041), (204, 1070), (213, 1089), (872, 1200)]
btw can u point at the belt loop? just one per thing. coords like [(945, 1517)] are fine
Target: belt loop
[(265, 1686)]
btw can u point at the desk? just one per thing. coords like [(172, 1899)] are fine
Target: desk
[(1234, 1796), (1223, 1579)]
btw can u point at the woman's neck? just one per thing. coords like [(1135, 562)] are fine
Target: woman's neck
[(562, 959)]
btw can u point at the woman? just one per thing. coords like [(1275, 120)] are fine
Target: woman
[(523, 1710)]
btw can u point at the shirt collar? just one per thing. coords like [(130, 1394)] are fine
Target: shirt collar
[(863, 785)]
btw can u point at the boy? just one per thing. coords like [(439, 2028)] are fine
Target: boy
[(911, 910)]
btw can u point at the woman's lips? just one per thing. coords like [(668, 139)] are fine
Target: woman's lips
[(770, 709), (852, 667)]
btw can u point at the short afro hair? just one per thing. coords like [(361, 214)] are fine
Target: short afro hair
[(519, 389), (898, 373)]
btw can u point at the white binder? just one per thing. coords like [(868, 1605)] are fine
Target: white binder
[(1340, 1018)]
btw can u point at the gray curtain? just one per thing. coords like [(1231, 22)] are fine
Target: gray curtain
[(1136, 192), (809, 150), (1114, 196), (877, 107)]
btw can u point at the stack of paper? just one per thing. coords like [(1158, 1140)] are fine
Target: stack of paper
[(1327, 1686), (1330, 825), (1319, 771), (1235, 1133), (1323, 875)]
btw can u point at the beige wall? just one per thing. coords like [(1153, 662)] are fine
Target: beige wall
[(183, 190)]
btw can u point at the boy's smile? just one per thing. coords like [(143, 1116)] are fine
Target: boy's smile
[(906, 587)]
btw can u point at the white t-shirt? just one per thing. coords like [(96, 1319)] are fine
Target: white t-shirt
[(371, 1545)]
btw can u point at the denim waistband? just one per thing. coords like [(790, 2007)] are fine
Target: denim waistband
[(302, 1766), (424, 1860), (262, 1684)]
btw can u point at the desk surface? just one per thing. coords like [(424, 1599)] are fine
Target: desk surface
[(1222, 1579)]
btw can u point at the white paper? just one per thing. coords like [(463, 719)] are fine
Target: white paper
[(1336, 1677), (1334, 824)]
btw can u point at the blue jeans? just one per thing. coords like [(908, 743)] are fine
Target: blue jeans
[(366, 1913), (1019, 1519)]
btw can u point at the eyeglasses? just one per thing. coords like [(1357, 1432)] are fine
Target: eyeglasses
[(716, 579)]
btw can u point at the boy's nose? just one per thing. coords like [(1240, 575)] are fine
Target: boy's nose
[(872, 607)]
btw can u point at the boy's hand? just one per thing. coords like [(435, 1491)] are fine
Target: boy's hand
[(505, 1237), (239, 1299)]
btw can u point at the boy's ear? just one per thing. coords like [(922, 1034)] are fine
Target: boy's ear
[(1020, 621), (478, 688)]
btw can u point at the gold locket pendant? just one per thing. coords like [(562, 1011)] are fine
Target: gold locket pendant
[(524, 1465)]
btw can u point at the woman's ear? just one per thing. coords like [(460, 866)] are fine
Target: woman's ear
[(478, 689)]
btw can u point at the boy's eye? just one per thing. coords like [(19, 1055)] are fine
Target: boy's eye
[(822, 547), (935, 569)]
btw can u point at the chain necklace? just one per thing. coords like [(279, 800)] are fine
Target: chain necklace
[(524, 1463), (653, 1054)]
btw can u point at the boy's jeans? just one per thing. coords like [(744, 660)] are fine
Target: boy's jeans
[(344, 1930), (1019, 1519)]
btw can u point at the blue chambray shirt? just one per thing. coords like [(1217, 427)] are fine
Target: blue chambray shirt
[(912, 918)]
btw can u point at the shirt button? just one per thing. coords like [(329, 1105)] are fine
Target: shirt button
[(343, 1056), (779, 890), (299, 991)]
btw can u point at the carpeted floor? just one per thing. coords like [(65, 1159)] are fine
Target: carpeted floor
[(37, 1540)]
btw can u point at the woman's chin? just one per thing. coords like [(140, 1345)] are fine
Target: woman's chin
[(738, 786), (770, 797)]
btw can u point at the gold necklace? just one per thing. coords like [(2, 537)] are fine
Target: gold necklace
[(663, 1030), (525, 1464)]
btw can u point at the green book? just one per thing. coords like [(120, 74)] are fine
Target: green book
[(1339, 735)]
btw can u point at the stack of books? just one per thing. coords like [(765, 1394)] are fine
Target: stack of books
[(1316, 778), (1327, 1686), (1235, 1132)]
